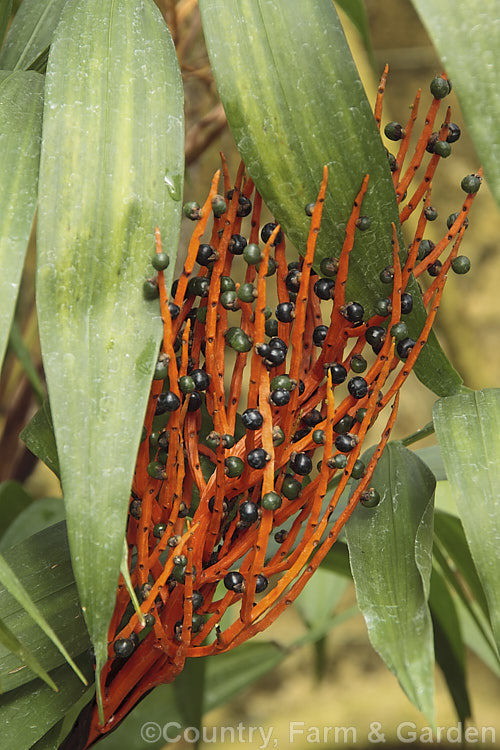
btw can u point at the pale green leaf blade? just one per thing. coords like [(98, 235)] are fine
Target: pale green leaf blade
[(294, 102), (390, 550), (14, 586), (319, 598), (42, 563), (112, 153), (19, 729), (468, 430), (31, 33), (467, 38), (21, 104), (9, 641), (356, 12)]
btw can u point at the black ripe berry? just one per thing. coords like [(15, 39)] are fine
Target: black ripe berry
[(404, 347), (261, 583), (280, 397), (237, 244), (201, 379), (345, 443), (267, 231), (258, 458), (249, 512), (353, 312), (285, 312), (167, 401), (406, 303), (123, 647), (338, 373), (358, 387), (323, 288), (234, 581), (206, 255), (252, 419), (301, 464), (319, 334), (453, 132)]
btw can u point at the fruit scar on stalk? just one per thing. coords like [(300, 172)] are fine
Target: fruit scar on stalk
[(220, 520)]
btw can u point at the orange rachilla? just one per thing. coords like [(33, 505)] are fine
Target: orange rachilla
[(193, 552)]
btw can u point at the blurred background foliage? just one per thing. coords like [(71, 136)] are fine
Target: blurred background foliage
[(341, 681)]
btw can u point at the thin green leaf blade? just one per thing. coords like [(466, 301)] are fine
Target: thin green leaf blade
[(39, 515), (14, 586), (294, 102), (468, 430), (13, 500), (113, 155), (467, 38), (390, 550), (356, 12), (31, 33), (42, 563), (10, 641), (21, 104)]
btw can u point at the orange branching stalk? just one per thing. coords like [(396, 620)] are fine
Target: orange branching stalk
[(221, 519)]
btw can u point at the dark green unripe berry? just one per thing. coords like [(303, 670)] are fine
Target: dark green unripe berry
[(156, 470), (161, 369), (394, 131), (370, 498), (186, 384), (461, 264), (358, 363), (471, 183), (271, 327), (383, 307), (360, 414), (201, 314), (227, 441), (229, 301), (271, 501), (160, 261), (252, 254), (386, 276), (159, 529), (150, 289), (364, 223), (344, 425), (282, 381), (358, 470), (219, 206), (440, 87), (272, 267), (233, 466), (430, 213), (291, 487), (227, 284), (319, 437), (247, 292), (424, 248), (329, 266), (192, 210), (338, 461), (399, 331), (238, 340), (278, 436), (442, 148)]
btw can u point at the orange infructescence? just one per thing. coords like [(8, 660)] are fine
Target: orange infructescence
[(220, 515)]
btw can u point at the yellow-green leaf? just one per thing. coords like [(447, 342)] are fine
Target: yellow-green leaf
[(111, 169), (31, 33)]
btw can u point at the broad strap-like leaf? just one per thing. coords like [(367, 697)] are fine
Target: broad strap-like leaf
[(31, 33), (294, 102), (41, 591), (21, 105), (467, 37), (30, 711), (468, 430), (390, 550), (39, 515), (111, 169)]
